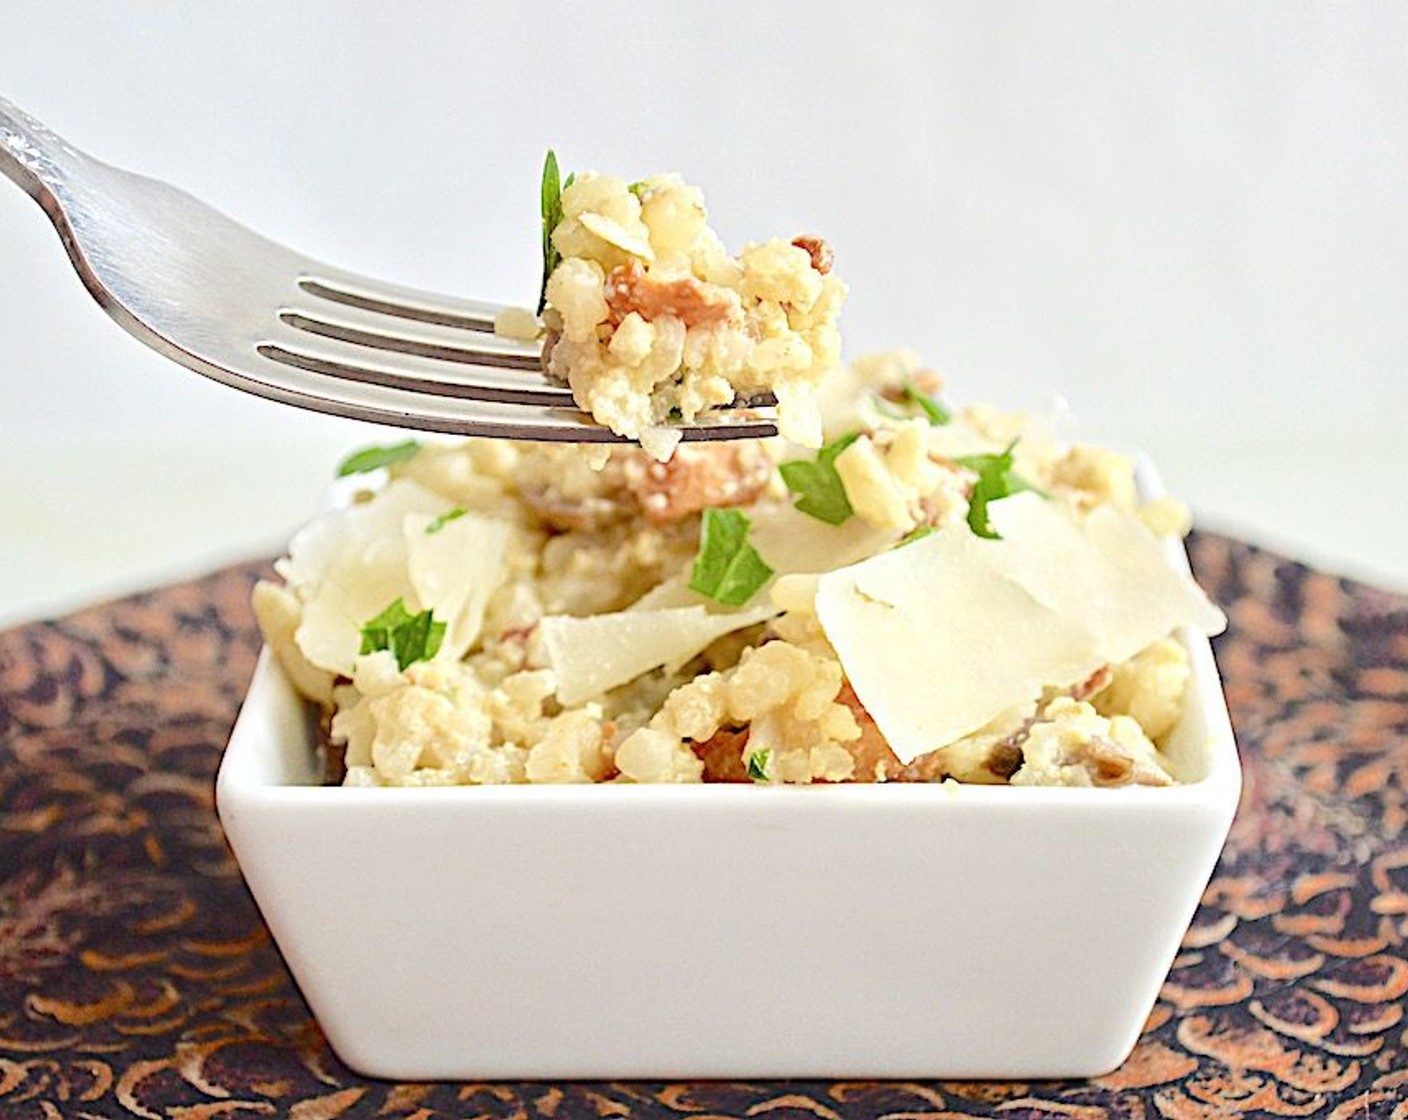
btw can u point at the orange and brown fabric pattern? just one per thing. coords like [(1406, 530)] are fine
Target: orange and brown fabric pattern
[(137, 978)]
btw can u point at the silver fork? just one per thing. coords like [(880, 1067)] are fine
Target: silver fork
[(232, 305)]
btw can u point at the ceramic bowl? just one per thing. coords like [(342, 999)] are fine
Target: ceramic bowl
[(624, 931)]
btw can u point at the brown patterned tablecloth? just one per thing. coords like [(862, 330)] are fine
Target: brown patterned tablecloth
[(137, 979)]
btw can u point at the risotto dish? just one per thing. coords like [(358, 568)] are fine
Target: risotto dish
[(932, 595), (891, 591)]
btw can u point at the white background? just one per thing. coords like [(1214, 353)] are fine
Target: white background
[(1190, 220)]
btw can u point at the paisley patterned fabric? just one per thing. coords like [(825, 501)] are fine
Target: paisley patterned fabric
[(137, 979)]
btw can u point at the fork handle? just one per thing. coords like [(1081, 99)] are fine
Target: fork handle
[(33, 156)]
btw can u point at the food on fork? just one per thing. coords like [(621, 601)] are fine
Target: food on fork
[(934, 594), (651, 321)]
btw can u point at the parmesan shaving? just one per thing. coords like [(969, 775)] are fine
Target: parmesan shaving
[(592, 655), (675, 592), (454, 571), (943, 635), (1110, 571), (326, 541), (790, 542), (349, 565), (330, 635)]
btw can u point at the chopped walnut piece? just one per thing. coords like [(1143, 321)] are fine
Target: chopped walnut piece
[(575, 515), (629, 289), (927, 381), (980, 758), (1094, 683), (1108, 763), (334, 753), (819, 251), (695, 478), (722, 755), (875, 761), (1004, 760), (550, 340), (707, 476)]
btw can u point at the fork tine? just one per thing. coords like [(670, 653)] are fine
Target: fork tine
[(306, 386), (427, 340), (352, 362), (418, 355), (351, 291)]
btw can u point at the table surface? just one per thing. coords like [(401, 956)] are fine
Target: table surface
[(137, 977)]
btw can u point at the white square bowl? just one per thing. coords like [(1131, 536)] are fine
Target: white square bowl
[(625, 931)]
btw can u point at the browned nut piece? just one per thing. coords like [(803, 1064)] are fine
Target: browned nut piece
[(628, 289), (820, 252)]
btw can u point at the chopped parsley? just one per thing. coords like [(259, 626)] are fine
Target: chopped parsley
[(910, 397), (918, 533), (996, 479), (410, 637), (550, 201), (758, 765), (373, 458), (445, 518), (822, 494), (727, 568)]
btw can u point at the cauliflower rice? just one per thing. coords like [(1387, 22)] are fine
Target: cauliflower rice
[(494, 612), (651, 321)]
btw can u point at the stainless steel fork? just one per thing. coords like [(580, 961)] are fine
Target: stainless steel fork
[(232, 305)]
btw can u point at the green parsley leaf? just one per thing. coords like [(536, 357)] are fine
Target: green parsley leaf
[(996, 480), (758, 765), (727, 568), (918, 533), (912, 397), (373, 458), (932, 407), (445, 518), (411, 637), (822, 494), (550, 205)]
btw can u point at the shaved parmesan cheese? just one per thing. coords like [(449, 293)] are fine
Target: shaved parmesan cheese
[(278, 611), (595, 654), (676, 592), (936, 643), (454, 571), (348, 565), (1039, 439), (325, 541), (959, 440), (793, 542), (351, 593), (1110, 571), (943, 635), (614, 233), (790, 543)]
